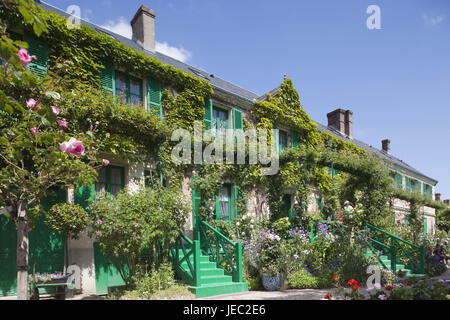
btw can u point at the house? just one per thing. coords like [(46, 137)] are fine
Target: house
[(229, 107)]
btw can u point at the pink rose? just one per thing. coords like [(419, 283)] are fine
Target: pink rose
[(34, 130), (76, 149), (31, 103), (39, 174), (106, 162), (72, 147), (62, 123), (55, 110), (29, 229), (24, 58)]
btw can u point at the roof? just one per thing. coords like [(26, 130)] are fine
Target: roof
[(379, 153), (230, 88), (214, 81)]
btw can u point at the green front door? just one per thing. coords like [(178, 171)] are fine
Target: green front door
[(46, 250), (8, 243), (106, 275)]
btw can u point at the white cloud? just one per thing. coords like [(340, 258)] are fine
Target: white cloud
[(120, 26), (433, 20), (177, 53), (123, 27)]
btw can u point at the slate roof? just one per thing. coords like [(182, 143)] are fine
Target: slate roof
[(233, 89)]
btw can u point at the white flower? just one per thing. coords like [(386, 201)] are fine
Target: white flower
[(237, 223), (252, 221)]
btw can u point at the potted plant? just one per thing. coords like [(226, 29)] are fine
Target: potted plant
[(266, 253)]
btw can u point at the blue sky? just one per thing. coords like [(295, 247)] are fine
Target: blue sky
[(396, 80)]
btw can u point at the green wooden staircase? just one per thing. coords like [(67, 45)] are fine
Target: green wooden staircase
[(394, 253), (211, 265)]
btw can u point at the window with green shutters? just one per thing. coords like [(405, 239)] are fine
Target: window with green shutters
[(38, 48), (154, 96), (128, 88)]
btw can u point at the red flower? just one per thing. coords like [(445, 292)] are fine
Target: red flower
[(355, 287), (352, 282), (400, 273), (335, 277), (405, 282), (328, 296), (389, 287)]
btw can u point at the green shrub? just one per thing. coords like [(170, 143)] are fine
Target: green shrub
[(145, 286), (300, 279)]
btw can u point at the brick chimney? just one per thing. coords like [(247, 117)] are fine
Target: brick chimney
[(341, 120), (143, 25), (437, 197), (386, 145)]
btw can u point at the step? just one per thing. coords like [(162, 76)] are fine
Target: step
[(212, 272), (191, 257), (215, 279), (203, 265), (209, 290)]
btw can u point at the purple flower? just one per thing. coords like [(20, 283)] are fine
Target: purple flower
[(99, 221), (98, 233)]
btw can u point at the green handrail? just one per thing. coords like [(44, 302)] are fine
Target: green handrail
[(193, 278), (395, 245), (220, 242)]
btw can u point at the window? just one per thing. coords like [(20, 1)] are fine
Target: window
[(219, 122), (282, 140), (111, 179), (223, 204), (128, 89)]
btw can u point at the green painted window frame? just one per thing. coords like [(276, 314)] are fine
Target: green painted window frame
[(217, 203), (214, 118), (127, 79), (108, 183), (282, 135)]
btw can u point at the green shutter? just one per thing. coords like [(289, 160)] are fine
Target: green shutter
[(424, 189), (38, 48), (399, 181), (295, 141), (425, 226), (154, 96), (408, 184), (419, 187), (406, 220), (208, 114), (238, 120), (430, 192), (107, 79)]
